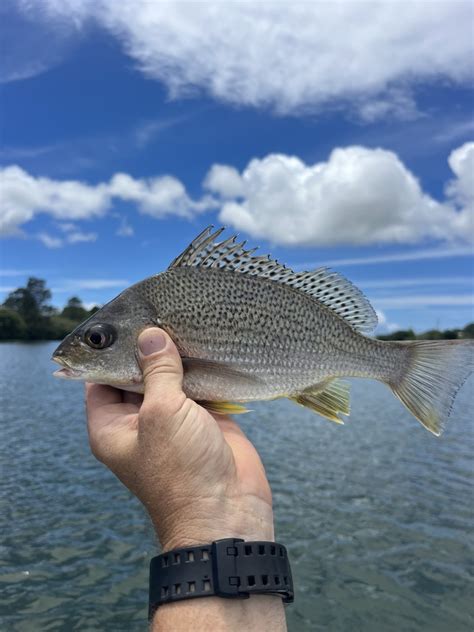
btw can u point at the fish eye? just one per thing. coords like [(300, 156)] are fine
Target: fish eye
[(100, 336)]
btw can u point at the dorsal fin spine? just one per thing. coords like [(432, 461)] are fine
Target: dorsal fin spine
[(324, 285)]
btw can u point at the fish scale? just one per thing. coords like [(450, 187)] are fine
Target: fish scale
[(255, 324)]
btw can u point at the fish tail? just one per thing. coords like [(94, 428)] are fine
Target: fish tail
[(431, 375)]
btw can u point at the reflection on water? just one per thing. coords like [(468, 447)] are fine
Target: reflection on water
[(377, 515)]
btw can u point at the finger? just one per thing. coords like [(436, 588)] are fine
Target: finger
[(109, 423), (132, 398), (228, 425), (98, 395), (162, 375)]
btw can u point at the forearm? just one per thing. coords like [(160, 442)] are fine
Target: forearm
[(259, 612)]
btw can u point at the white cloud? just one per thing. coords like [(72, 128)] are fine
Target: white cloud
[(395, 103), (50, 241), (31, 45), (415, 282), (384, 325), (289, 56), (456, 130), (225, 181), (147, 131), (78, 237), (159, 196), (98, 284), (12, 272), (358, 196), (124, 229), (413, 255), (67, 227), (72, 237), (426, 300), (90, 304), (24, 196), (73, 285), (461, 189)]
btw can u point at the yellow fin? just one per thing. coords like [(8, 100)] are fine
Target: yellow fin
[(329, 400), (224, 408)]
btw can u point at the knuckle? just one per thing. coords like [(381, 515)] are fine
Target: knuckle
[(165, 368), (96, 448), (166, 405), (148, 410)]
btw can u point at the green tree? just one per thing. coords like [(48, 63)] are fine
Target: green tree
[(451, 334), (59, 327), (12, 325), (432, 334), (40, 293), (468, 331), (32, 304), (405, 334), (75, 310)]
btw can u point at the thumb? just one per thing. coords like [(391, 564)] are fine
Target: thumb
[(162, 374)]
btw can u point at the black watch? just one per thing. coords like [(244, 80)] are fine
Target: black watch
[(229, 568)]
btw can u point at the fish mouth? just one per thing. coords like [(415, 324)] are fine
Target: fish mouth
[(66, 371)]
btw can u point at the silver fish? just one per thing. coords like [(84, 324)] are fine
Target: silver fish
[(248, 328)]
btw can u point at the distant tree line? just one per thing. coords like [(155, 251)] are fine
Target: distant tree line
[(26, 314), (432, 334)]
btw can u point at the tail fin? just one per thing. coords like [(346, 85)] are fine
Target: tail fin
[(435, 371)]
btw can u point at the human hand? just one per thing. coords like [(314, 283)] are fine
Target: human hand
[(196, 473)]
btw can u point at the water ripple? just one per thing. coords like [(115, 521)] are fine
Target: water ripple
[(377, 514)]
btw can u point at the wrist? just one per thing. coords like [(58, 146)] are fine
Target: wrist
[(249, 518)]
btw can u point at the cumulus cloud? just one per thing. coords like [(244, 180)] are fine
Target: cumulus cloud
[(225, 181), (289, 57), (358, 196), (24, 196), (461, 189), (71, 237), (158, 197), (384, 325)]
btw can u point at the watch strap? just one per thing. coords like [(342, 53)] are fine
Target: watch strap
[(229, 568)]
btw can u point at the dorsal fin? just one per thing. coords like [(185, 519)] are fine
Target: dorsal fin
[(327, 286)]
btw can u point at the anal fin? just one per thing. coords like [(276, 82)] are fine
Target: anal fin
[(328, 400), (223, 408)]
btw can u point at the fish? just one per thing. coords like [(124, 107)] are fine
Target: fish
[(249, 328)]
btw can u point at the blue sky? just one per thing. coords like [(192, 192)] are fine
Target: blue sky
[(126, 129)]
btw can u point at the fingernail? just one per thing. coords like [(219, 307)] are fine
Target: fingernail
[(151, 341)]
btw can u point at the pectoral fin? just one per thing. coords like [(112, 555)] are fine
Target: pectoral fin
[(330, 400), (224, 408), (219, 369)]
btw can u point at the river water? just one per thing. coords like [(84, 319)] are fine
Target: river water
[(377, 514)]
